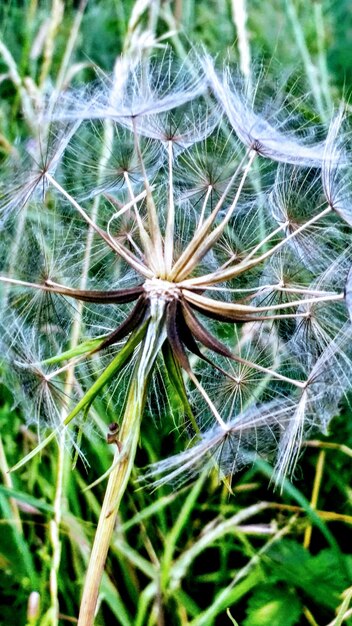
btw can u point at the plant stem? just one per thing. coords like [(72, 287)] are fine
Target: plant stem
[(239, 16), (57, 14), (312, 75), (70, 45), (315, 495), (123, 460), (118, 479), (170, 224)]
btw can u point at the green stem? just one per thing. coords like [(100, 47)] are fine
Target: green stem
[(118, 479), (123, 460)]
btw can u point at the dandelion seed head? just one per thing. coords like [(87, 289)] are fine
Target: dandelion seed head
[(150, 254)]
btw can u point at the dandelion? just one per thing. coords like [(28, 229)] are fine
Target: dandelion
[(235, 298), (40, 156)]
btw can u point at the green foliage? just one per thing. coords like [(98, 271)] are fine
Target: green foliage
[(322, 577), (273, 606), (294, 578)]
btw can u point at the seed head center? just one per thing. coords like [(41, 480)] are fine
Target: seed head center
[(162, 289)]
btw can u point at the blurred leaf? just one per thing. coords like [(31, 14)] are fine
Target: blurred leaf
[(272, 606), (320, 577), (40, 505)]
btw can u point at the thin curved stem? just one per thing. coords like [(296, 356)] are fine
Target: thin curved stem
[(170, 223)]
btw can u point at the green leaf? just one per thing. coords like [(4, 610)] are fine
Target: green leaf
[(83, 348), (319, 577), (15, 553), (22, 496), (272, 606), (117, 363)]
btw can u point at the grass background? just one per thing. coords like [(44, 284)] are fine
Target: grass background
[(200, 556)]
